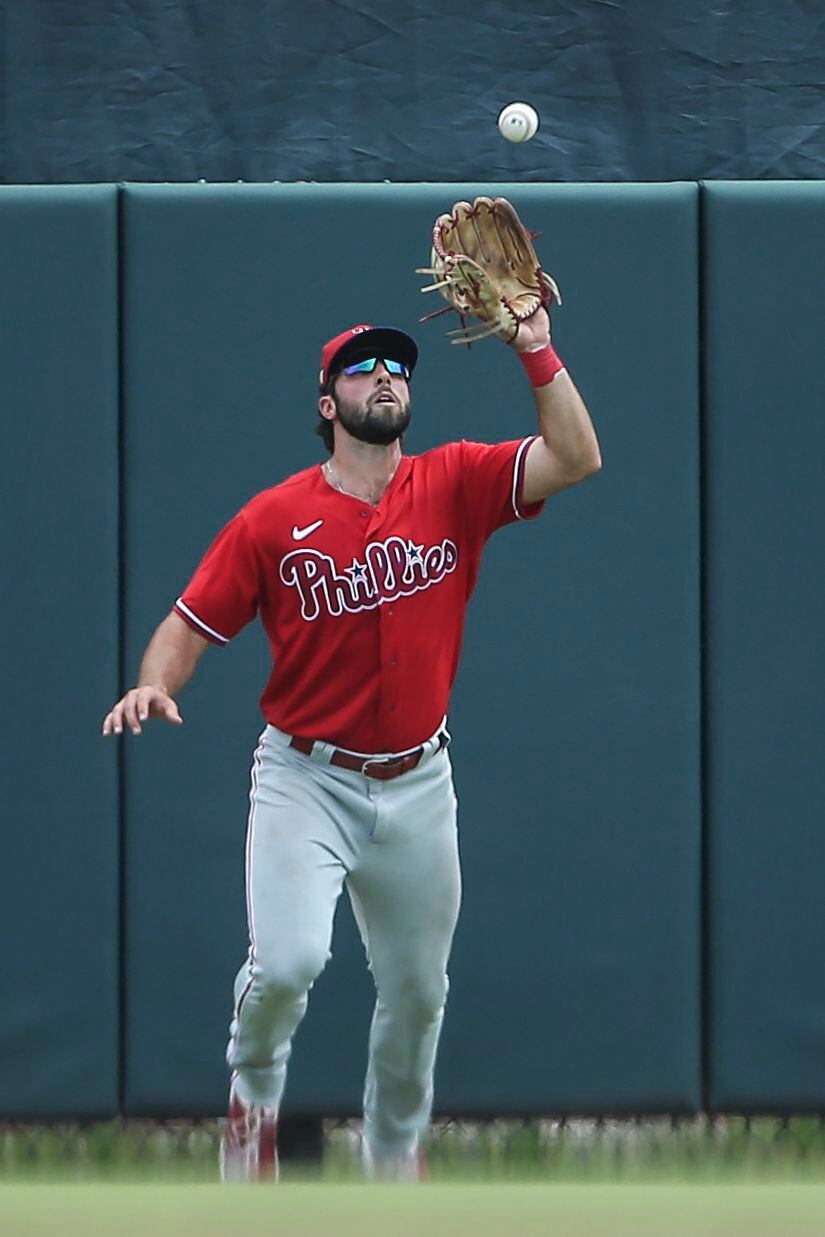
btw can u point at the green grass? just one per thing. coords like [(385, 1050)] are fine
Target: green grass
[(429, 1210), (699, 1150), (692, 1178)]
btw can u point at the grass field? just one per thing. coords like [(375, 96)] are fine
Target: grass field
[(703, 1150), (691, 1178), (428, 1210)]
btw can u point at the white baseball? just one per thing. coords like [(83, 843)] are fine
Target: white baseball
[(518, 122)]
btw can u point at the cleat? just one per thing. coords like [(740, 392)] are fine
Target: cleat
[(249, 1146)]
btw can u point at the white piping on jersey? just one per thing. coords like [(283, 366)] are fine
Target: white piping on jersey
[(180, 606), (516, 470)]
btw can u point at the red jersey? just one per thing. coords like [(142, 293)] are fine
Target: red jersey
[(363, 606)]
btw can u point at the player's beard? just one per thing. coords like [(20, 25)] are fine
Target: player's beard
[(379, 424)]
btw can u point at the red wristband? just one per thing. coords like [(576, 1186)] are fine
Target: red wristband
[(541, 366)]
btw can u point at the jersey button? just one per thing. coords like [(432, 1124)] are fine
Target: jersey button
[(394, 661), (365, 514)]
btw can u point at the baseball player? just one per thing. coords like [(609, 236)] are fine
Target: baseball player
[(360, 570)]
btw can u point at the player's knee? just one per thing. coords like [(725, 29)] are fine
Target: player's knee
[(422, 996), (289, 976)]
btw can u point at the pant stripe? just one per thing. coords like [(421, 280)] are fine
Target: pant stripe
[(250, 832)]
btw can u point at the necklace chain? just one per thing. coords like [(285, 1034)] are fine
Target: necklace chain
[(332, 477)]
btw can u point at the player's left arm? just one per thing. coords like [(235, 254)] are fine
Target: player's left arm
[(567, 450)]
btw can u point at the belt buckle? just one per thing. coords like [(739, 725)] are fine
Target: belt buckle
[(402, 763), (381, 764)]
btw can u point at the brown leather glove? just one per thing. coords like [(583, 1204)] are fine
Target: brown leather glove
[(486, 267)]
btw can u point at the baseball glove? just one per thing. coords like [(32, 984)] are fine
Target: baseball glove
[(486, 267)]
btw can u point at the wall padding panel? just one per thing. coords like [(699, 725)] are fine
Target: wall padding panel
[(763, 260), (59, 532), (575, 978)]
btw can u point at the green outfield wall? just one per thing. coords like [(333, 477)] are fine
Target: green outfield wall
[(636, 722), (60, 494), (764, 255)]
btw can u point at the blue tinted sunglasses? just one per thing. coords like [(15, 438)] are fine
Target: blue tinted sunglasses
[(366, 367)]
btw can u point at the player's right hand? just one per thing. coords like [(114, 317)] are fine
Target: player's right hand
[(138, 704)]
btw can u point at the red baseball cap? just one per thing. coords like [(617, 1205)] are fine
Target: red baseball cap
[(380, 341)]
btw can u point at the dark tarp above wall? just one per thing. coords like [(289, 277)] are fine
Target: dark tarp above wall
[(370, 90)]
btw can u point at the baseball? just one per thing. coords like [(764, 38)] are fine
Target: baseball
[(518, 122)]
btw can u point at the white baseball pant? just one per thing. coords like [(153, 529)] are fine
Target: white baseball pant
[(312, 828)]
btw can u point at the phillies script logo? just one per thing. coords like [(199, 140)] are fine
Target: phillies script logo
[(393, 568)]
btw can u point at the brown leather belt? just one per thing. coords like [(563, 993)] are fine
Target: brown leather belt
[(383, 770)]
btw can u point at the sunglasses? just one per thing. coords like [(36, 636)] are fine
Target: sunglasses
[(366, 367)]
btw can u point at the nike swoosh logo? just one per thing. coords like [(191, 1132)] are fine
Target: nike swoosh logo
[(299, 533)]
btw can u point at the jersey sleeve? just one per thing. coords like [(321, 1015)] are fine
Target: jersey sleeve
[(222, 596), (492, 480)]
